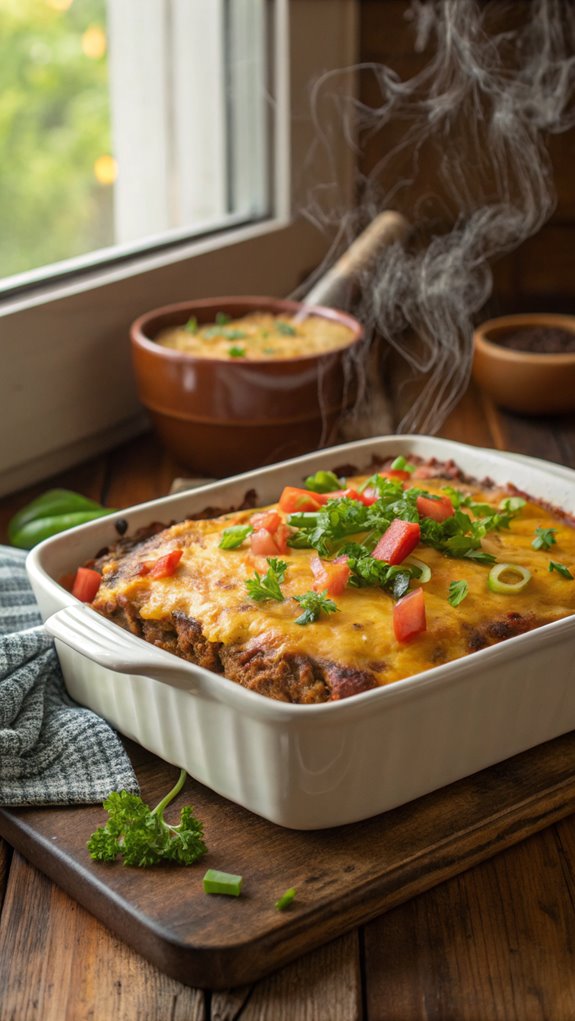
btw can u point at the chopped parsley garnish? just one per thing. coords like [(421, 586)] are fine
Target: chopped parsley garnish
[(324, 482), (237, 352), (457, 536), (560, 568), (366, 570), (233, 536), (544, 538), (234, 334), (191, 325), (267, 586), (313, 604), (457, 592), (285, 329), (140, 835)]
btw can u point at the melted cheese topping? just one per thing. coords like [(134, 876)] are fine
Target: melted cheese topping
[(209, 585), (258, 336)]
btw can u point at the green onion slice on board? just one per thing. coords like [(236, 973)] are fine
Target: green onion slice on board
[(222, 882)]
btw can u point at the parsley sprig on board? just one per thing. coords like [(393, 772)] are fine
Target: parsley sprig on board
[(141, 836)]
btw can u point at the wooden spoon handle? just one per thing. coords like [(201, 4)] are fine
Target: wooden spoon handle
[(387, 227)]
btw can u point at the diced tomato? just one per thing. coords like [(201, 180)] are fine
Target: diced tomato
[(409, 616), (369, 496), (262, 543), (396, 474), (295, 500), (164, 566), (269, 544), (337, 494), (398, 541), (269, 520), (86, 584), (438, 510), (330, 575), (67, 580), (281, 536)]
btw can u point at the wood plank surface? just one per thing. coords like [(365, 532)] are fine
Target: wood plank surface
[(508, 919), (74, 968), (343, 876)]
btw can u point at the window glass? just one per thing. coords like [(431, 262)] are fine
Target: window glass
[(57, 166), (126, 124)]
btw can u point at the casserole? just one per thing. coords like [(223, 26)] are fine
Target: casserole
[(324, 765)]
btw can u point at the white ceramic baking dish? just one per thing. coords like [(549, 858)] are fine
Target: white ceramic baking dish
[(317, 766)]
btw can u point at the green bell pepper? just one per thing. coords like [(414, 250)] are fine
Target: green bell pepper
[(52, 512)]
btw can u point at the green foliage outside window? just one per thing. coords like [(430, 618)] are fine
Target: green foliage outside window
[(54, 126)]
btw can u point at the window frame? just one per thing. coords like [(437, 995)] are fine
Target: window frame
[(67, 389)]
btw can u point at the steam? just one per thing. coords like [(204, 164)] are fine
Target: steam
[(479, 112)]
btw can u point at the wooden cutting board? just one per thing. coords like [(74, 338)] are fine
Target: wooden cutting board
[(344, 876)]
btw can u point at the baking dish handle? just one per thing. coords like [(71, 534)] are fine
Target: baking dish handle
[(104, 642)]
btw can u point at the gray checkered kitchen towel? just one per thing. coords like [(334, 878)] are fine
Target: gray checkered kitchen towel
[(52, 751)]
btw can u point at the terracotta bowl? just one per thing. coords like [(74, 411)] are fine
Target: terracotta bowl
[(219, 416), (528, 382)]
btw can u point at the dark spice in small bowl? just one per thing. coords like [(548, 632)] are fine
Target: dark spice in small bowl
[(526, 362), (551, 340)]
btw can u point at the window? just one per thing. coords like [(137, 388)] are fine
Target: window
[(66, 388), (131, 123)]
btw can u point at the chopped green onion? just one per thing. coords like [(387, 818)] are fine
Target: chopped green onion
[(286, 899), (192, 325), (222, 882), (497, 583), (237, 352), (560, 568), (400, 464), (324, 482), (512, 503), (424, 569), (222, 318)]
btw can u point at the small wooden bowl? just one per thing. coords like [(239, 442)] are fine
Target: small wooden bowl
[(523, 381), (219, 417)]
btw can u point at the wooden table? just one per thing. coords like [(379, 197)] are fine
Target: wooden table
[(495, 942)]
